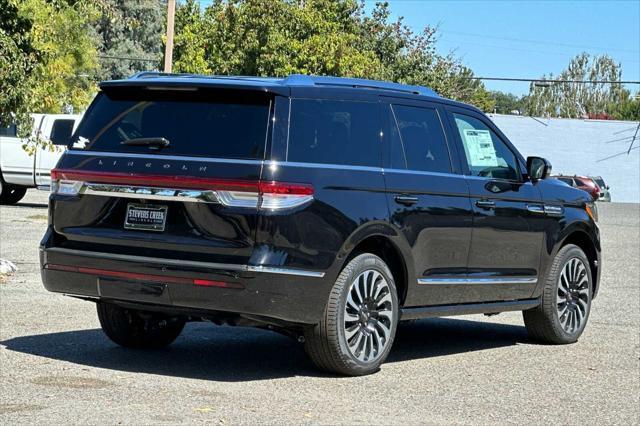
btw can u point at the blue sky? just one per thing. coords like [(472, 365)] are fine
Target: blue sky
[(528, 39)]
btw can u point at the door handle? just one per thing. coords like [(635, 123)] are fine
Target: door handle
[(486, 204), (535, 208), (406, 200)]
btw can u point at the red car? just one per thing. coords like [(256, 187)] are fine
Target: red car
[(582, 182)]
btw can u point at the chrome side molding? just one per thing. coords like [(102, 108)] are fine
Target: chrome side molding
[(471, 281)]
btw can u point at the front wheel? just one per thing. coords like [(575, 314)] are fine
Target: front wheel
[(359, 324), (566, 300), (132, 328)]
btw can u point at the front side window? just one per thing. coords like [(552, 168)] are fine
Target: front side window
[(423, 140), (334, 132), (486, 154)]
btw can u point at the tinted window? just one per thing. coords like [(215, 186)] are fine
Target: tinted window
[(9, 131), (486, 154), (338, 132), (568, 181), (196, 124), (397, 158), (61, 130), (423, 139)]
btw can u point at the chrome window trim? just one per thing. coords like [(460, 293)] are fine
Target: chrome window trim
[(471, 281), (189, 263), (422, 172), (322, 166)]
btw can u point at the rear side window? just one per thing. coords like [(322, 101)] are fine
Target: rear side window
[(423, 140), (9, 131), (334, 132), (199, 123), (62, 128)]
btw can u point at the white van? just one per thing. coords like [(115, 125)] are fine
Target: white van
[(18, 169)]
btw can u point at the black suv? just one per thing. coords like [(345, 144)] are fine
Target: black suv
[(326, 208)]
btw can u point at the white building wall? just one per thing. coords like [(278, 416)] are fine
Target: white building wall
[(581, 147)]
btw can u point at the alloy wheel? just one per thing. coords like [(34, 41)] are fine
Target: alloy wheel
[(573, 297), (368, 316)]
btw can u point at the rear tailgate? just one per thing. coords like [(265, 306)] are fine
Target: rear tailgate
[(194, 199)]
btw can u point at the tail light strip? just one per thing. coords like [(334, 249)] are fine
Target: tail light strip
[(141, 277), (231, 193)]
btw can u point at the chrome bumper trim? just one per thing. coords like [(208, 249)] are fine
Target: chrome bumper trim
[(189, 263)]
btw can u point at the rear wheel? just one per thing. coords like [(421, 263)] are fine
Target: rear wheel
[(359, 325), (138, 329), (10, 194), (566, 301)]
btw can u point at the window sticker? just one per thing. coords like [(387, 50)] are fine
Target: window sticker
[(480, 147)]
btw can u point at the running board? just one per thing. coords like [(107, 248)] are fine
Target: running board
[(467, 309)]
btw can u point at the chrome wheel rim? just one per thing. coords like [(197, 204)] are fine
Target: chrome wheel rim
[(368, 316), (573, 295)]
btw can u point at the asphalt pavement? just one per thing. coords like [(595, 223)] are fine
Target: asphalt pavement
[(57, 367)]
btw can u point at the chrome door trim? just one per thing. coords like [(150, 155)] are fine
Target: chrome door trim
[(535, 208), (471, 281), (190, 263)]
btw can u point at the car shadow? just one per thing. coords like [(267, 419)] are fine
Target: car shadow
[(235, 354)]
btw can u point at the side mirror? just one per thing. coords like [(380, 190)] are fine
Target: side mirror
[(538, 168), (61, 131)]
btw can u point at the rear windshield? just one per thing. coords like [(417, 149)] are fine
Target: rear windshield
[(202, 123)]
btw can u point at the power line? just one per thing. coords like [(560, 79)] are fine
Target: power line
[(540, 80), (543, 42)]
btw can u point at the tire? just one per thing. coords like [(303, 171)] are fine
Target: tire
[(138, 329), (566, 300), (356, 342), (10, 194)]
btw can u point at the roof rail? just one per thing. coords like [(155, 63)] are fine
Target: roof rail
[(146, 74), (309, 80)]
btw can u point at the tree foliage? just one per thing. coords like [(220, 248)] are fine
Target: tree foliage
[(18, 57), (129, 29), (322, 37), (66, 70), (575, 100), (505, 103)]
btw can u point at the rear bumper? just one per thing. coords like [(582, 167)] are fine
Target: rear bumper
[(288, 295)]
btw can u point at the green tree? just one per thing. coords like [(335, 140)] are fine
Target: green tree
[(129, 29), (323, 37), (65, 72), (574, 100), (506, 102), (627, 109), (18, 57)]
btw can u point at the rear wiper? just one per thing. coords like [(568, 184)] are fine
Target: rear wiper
[(153, 143)]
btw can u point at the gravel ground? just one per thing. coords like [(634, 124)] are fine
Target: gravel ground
[(57, 367)]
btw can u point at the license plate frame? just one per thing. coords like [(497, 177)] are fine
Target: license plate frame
[(154, 220)]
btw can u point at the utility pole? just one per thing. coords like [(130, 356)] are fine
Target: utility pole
[(168, 50)]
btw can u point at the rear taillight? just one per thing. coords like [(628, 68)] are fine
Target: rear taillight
[(278, 195), (269, 195)]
